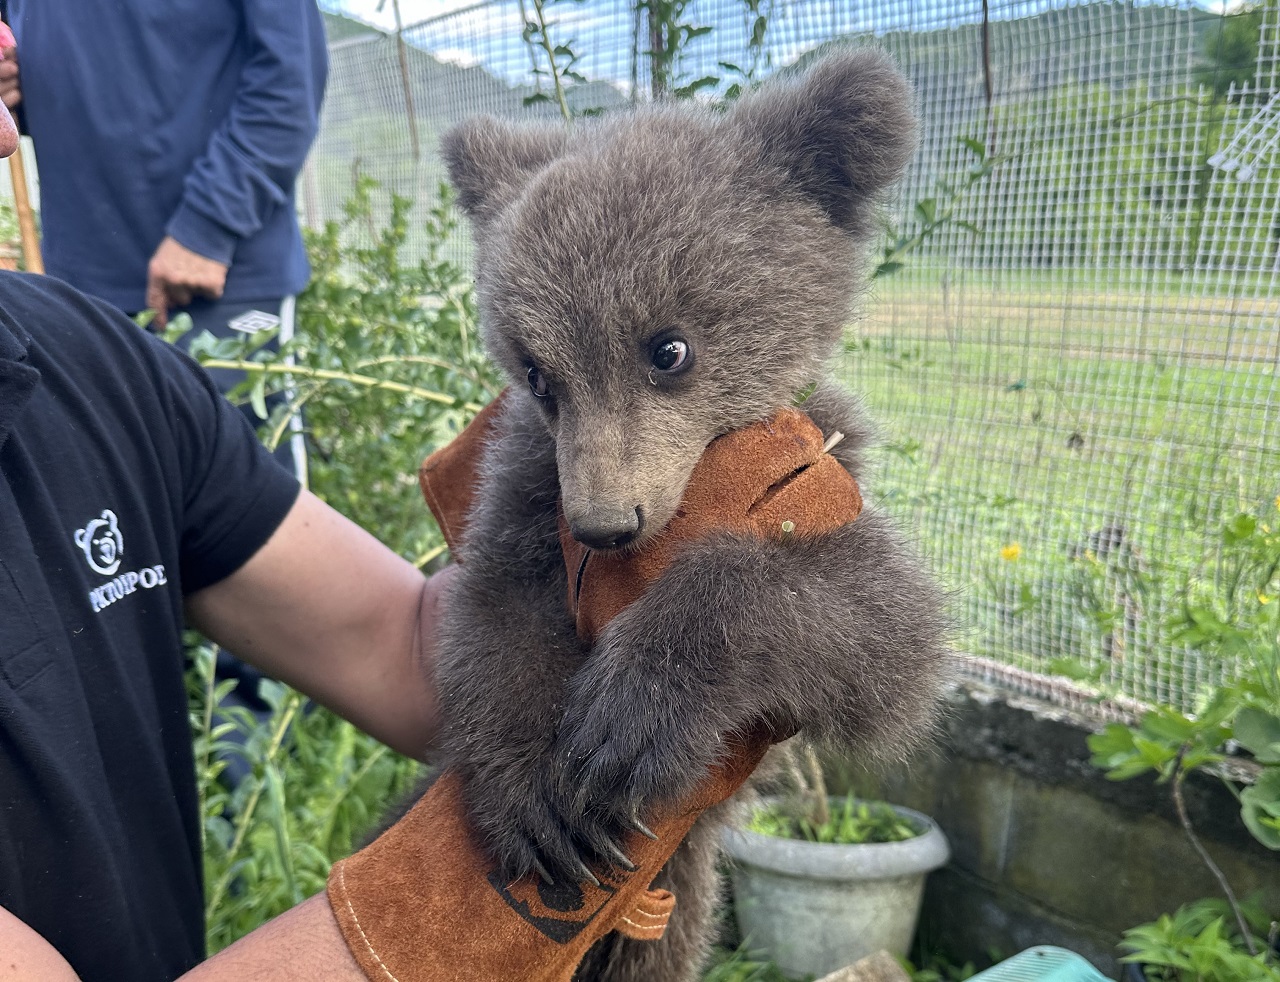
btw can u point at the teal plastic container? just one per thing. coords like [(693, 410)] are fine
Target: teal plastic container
[(1044, 963)]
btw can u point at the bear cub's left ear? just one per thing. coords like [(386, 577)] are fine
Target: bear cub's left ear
[(843, 131)]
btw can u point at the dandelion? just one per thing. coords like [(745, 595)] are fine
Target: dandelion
[(1264, 599), (1278, 502), (1011, 552)]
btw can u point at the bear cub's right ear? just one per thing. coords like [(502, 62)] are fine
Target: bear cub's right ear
[(489, 160)]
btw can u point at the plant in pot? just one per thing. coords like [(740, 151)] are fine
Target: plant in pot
[(821, 882)]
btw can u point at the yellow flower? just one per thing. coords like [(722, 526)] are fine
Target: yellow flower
[(1011, 552), (1264, 599), (1278, 502)]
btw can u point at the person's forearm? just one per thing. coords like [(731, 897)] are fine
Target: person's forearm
[(301, 944), (333, 612)]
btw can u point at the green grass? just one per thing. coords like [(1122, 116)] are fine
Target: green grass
[(1122, 280), (1027, 415)]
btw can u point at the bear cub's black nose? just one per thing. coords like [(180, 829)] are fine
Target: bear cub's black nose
[(607, 529)]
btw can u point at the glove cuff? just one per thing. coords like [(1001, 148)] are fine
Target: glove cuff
[(415, 906)]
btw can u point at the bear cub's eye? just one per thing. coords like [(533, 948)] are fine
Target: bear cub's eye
[(672, 355), (538, 384)]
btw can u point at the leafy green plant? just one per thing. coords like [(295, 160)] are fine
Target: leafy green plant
[(1199, 943), (385, 366), (669, 35), (560, 58), (852, 822), (936, 967), (663, 33), (932, 214), (758, 60), (1231, 617), (10, 234), (806, 813), (310, 784)]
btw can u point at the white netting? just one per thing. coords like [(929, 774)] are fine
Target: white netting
[(1077, 374)]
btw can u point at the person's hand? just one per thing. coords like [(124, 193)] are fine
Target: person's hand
[(176, 276), (10, 89)]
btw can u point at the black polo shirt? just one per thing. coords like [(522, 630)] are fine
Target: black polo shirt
[(126, 481)]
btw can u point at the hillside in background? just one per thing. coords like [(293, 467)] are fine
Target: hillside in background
[(1116, 44), (339, 28), (1099, 106), (366, 129), (367, 80), (1119, 44)]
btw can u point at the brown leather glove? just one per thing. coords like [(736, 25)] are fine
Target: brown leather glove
[(422, 902), (771, 480)]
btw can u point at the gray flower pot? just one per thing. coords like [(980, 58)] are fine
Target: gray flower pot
[(815, 908)]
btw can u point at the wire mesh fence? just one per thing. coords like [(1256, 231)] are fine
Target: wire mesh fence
[(1075, 366)]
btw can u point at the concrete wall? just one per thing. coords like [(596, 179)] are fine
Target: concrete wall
[(1045, 849)]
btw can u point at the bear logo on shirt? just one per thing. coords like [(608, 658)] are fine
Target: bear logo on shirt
[(101, 543)]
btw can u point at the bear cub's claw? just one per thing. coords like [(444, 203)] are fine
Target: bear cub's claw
[(532, 828)]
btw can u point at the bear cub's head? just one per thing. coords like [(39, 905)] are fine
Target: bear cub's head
[(656, 278)]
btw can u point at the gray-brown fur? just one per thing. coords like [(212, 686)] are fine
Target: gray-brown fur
[(742, 232)]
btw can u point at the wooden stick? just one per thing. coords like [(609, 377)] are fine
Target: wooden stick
[(410, 112), (31, 257)]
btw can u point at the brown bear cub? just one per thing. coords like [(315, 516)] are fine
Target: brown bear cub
[(651, 280)]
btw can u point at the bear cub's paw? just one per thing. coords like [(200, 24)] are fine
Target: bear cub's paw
[(529, 825), (641, 731)]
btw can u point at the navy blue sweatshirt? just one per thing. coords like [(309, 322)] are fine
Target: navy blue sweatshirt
[(190, 118)]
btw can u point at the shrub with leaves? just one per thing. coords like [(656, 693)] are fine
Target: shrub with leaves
[(385, 367), (311, 784), (1201, 942), (1231, 617)]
